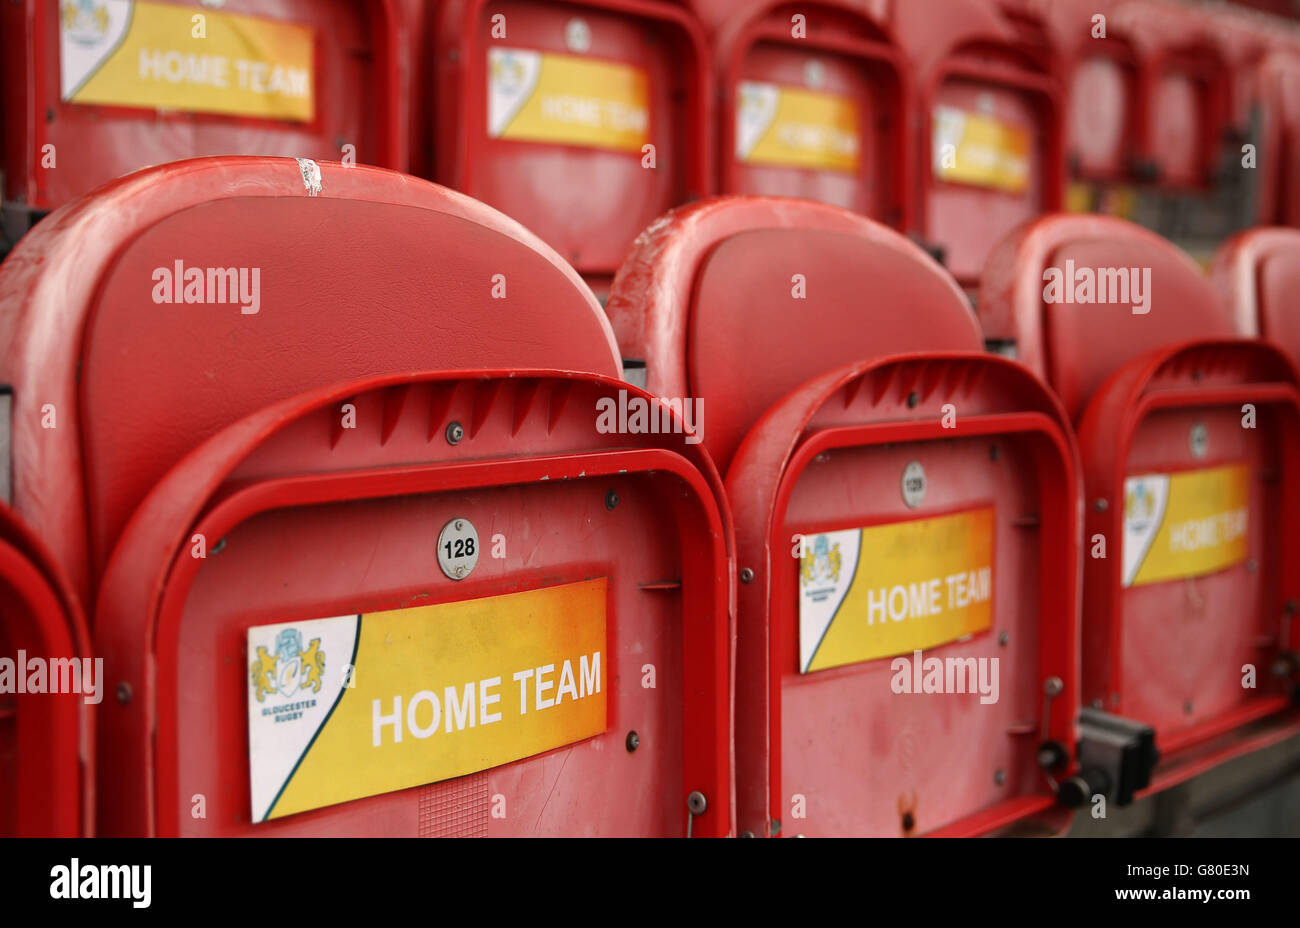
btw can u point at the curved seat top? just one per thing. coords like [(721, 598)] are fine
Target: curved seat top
[(1082, 295), (144, 317), (738, 300), (1257, 274)]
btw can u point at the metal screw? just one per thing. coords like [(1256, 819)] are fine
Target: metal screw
[(1053, 686), (913, 399), (455, 432), (1100, 505), (1003, 639), (124, 693), (1187, 707), (746, 575), (633, 741), (611, 499), (696, 803), (747, 834), (994, 451), (999, 776)]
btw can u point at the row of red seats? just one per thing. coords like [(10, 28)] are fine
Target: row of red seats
[(218, 483), (950, 120)]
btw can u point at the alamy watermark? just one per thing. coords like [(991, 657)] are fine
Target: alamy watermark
[(1131, 285), (105, 881), (209, 285), (639, 415), (37, 675), (918, 674)]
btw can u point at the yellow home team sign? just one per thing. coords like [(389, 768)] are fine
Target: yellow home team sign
[(143, 54), (360, 705), (792, 127), (970, 148), (893, 589), (567, 100), (1186, 524)]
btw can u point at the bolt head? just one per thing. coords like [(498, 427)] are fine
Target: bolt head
[(455, 432), (633, 741), (746, 575)]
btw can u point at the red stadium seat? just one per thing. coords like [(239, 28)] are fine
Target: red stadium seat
[(826, 349), (1103, 81), (813, 104), (347, 509), (709, 353), (77, 340), (1187, 107), (1278, 88), (1257, 274), (609, 544), (583, 120), (94, 91), (991, 127), (47, 744), (1189, 442)]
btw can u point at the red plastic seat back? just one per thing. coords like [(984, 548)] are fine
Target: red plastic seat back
[(378, 273), (1103, 87), (1080, 296), (1189, 454), (814, 107), (1279, 163), (98, 90), (991, 111), (833, 736), (832, 347), (1187, 433), (46, 734), (1186, 85), (583, 121), (1257, 274), (578, 653), (737, 301)]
